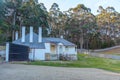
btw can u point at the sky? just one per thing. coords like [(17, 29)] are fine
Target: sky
[(64, 5)]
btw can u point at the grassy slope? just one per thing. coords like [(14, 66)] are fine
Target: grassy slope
[(84, 61), (115, 51)]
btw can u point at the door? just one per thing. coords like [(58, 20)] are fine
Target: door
[(60, 49)]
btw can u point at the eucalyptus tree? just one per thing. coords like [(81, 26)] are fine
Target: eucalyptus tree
[(82, 23), (33, 15), (117, 25), (42, 6), (55, 20), (3, 24), (28, 13), (107, 20), (12, 15), (1, 9)]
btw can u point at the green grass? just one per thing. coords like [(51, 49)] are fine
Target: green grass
[(84, 61)]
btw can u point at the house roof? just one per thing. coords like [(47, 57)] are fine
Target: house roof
[(58, 40), (36, 44)]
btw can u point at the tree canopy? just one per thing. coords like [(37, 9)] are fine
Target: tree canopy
[(77, 24)]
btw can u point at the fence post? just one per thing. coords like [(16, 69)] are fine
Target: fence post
[(7, 52)]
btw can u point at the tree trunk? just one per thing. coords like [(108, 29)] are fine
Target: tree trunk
[(13, 31), (81, 43), (13, 35), (20, 31)]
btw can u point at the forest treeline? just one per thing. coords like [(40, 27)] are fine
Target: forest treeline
[(77, 24)]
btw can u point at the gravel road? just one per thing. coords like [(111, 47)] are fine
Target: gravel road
[(30, 72)]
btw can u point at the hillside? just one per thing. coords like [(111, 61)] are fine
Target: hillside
[(114, 50)]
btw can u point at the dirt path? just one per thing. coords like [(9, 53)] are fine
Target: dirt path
[(29, 72)]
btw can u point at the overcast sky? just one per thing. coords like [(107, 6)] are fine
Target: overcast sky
[(93, 4)]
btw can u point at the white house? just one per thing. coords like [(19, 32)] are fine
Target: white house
[(46, 48)]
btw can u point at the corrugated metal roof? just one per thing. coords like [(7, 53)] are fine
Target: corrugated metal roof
[(58, 40), (36, 44)]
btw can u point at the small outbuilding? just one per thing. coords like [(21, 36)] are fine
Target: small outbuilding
[(42, 48)]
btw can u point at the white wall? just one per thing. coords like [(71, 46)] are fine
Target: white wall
[(47, 47), (7, 52), (37, 54), (70, 50), (31, 54)]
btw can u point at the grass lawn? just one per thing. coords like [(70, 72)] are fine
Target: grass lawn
[(84, 61)]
